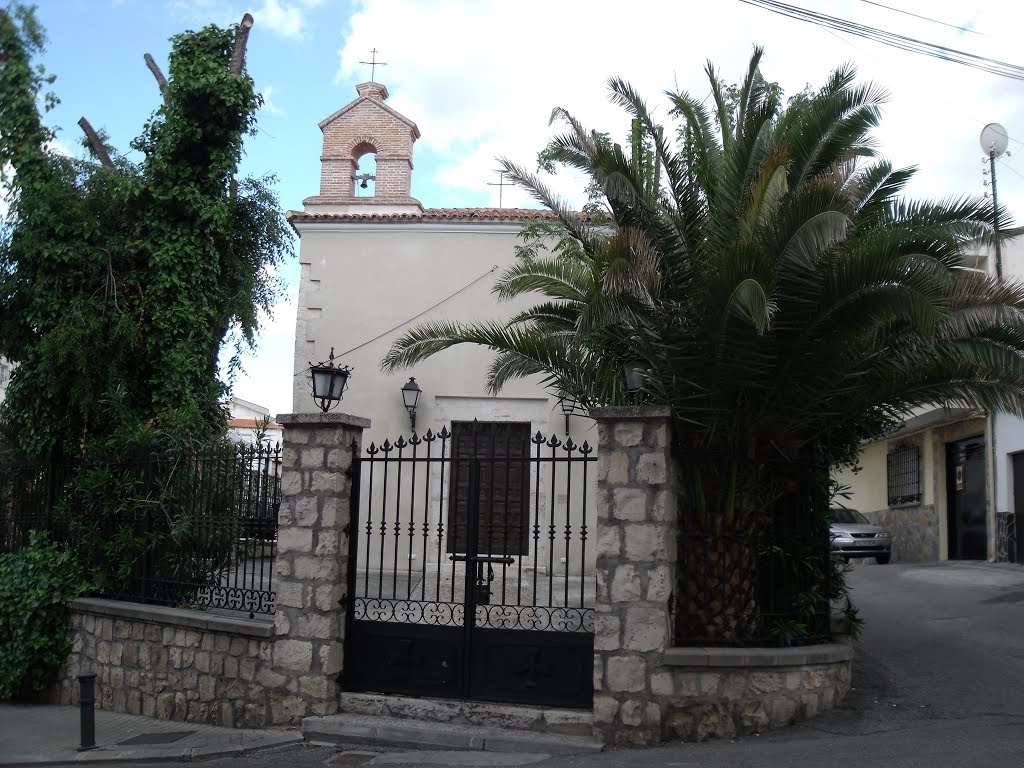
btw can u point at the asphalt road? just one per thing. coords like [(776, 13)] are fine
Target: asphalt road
[(938, 683)]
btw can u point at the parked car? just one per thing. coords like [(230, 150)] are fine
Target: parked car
[(853, 535)]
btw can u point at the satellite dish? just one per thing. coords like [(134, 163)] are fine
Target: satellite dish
[(994, 139)]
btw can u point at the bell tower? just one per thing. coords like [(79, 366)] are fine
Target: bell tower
[(366, 164)]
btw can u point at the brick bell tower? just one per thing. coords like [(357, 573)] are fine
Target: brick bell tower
[(366, 164)]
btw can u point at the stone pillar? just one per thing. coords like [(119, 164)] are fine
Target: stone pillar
[(312, 562), (636, 571)]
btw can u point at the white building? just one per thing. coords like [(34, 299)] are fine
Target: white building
[(6, 369), (950, 482)]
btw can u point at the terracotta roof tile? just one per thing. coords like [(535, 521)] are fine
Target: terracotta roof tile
[(430, 214), (251, 424)]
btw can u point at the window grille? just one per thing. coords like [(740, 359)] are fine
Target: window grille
[(903, 467)]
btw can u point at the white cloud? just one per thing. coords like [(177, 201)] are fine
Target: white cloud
[(480, 77), (286, 18), (268, 104)]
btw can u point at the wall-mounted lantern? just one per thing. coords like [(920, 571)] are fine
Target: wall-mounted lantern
[(633, 371), (329, 382), (411, 396), (568, 403)]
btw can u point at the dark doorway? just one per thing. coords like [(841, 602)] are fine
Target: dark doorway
[(1017, 530), (965, 499)]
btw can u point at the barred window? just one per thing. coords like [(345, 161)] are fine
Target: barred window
[(903, 467)]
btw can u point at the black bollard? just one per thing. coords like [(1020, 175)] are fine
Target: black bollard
[(86, 695)]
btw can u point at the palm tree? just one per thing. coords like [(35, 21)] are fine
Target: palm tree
[(786, 301)]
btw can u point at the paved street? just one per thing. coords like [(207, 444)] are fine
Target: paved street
[(938, 682)]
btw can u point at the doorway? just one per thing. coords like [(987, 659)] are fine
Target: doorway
[(966, 516)]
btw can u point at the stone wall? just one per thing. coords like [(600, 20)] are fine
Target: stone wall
[(915, 532), (171, 663), (646, 691)]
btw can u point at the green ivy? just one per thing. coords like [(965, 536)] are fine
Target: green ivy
[(37, 584), (119, 285)]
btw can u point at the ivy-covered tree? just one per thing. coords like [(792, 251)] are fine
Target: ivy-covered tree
[(121, 276)]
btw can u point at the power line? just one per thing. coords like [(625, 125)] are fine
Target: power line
[(892, 39), (923, 18), (414, 317)]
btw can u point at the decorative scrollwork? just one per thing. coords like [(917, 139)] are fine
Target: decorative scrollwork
[(237, 599), (409, 611), (535, 617)]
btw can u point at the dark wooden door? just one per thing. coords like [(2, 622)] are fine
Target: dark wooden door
[(966, 516), (501, 451)]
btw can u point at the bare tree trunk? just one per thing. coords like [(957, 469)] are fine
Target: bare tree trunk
[(160, 79), (97, 145), (241, 40)]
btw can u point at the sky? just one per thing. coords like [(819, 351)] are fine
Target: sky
[(481, 77)]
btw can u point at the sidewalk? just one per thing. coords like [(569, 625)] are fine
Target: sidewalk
[(43, 735)]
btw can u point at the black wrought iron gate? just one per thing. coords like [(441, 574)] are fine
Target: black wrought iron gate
[(472, 574)]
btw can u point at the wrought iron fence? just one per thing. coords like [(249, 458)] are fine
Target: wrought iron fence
[(196, 529), (755, 562)]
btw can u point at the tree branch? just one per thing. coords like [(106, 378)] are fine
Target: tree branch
[(241, 40), (97, 145), (160, 79)]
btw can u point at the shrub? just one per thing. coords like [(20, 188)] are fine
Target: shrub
[(37, 584)]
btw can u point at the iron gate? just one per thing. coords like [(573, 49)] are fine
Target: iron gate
[(473, 578)]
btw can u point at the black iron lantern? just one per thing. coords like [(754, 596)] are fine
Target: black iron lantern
[(568, 403), (411, 396), (329, 382), (633, 371)]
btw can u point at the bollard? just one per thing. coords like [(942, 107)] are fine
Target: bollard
[(86, 695)]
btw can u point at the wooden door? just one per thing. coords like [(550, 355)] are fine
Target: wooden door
[(501, 453)]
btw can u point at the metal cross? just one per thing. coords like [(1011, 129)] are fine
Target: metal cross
[(500, 184), (374, 63)]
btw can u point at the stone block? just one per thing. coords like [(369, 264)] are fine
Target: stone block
[(629, 433), (629, 504), (312, 457), (268, 678), (631, 713), (293, 656), (317, 627), (812, 679), (247, 669), (646, 542), (709, 682), (605, 709), (238, 646), (626, 674), (322, 569), (659, 585), (327, 543), (650, 469), (783, 712), (687, 683), (661, 684), (625, 586), (765, 682), (606, 632), (609, 541), (614, 468), (331, 658), (327, 482), (230, 667), (289, 595), (663, 508), (716, 722), (645, 629), (306, 511), (317, 687), (207, 687), (329, 517), (293, 539), (809, 706), (681, 725), (287, 710), (328, 596), (734, 685), (652, 715)]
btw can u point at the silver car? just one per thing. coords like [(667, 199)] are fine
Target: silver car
[(853, 535)]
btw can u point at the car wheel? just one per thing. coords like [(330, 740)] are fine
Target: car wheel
[(883, 559)]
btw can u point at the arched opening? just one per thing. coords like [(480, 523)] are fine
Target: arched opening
[(365, 177)]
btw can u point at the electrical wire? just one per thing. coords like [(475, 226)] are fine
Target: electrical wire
[(379, 336), (923, 18), (892, 39)]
